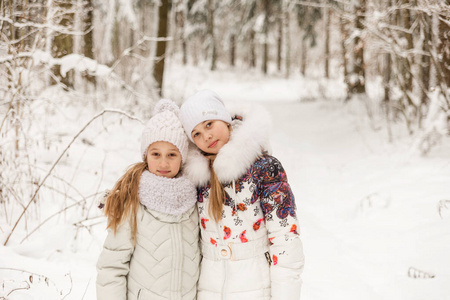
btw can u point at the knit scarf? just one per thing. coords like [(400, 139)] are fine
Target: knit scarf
[(173, 196)]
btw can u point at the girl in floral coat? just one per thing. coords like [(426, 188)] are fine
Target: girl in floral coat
[(249, 230)]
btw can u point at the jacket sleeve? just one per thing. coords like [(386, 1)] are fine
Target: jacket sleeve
[(286, 250), (114, 263)]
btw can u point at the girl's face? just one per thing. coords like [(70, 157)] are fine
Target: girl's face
[(163, 159), (210, 136)]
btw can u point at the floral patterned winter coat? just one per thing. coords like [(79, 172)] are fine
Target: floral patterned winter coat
[(254, 252)]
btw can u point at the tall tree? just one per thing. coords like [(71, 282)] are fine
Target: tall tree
[(158, 69), (212, 38), (267, 12), (287, 33), (181, 15), (232, 13), (62, 41), (444, 48), (387, 74), (232, 49), (250, 14), (327, 16), (307, 17), (425, 65), (358, 85), (408, 59), (345, 34), (280, 17), (88, 47)]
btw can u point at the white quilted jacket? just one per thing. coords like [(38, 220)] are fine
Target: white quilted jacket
[(163, 264)]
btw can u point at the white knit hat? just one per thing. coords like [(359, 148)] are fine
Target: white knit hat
[(202, 106), (164, 126)]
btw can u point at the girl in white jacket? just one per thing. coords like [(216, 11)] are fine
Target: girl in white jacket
[(151, 251), (249, 231)]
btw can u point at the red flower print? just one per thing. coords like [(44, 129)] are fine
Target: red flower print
[(242, 237), (257, 224), (241, 207), (213, 241), (294, 229), (203, 220), (227, 231), (270, 241), (274, 259)]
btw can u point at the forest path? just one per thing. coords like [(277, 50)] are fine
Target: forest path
[(312, 140), (367, 212)]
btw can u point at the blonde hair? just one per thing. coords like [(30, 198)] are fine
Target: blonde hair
[(123, 201), (216, 193), (216, 189)]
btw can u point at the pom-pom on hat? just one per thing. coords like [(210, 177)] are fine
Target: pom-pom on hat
[(164, 126), (202, 106)]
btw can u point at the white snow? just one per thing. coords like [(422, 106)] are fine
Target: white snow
[(368, 209)]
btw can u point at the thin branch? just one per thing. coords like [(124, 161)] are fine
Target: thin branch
[(60, 157), (50, 217)]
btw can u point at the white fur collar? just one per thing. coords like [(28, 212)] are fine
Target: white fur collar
[(249, 138), (173, 196)]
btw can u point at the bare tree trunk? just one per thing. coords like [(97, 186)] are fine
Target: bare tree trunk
[(387, 85), (358, 85), (280, 37), (252, 49), (433, 48), (408, 63), (387, 92), (158, 70), (444, 50), (115, 38), (304, 56), (3, 29), (49, 14), (88, 47), (407, 107), (63, 43), (327, 41), (148, 18), (425, 65), (232, 49), (266, 36), (16, 45), (181, 20), (88, 37), (212, 40), (344, 37), (286, 24)]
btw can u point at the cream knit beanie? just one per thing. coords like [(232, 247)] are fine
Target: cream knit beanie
[(164, 126), (202, 106)]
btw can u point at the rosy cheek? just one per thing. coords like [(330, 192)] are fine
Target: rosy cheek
[(198, 144)]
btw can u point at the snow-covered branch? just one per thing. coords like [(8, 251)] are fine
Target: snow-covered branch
[(33, 198)]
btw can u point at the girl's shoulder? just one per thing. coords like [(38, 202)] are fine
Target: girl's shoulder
[(268, 168)]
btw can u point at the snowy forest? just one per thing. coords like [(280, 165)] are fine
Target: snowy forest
[(79, 78)]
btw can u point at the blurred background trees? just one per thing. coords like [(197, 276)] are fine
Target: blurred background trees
[(404, 42)]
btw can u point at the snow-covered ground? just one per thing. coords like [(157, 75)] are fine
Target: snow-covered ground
[(374, 218)]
